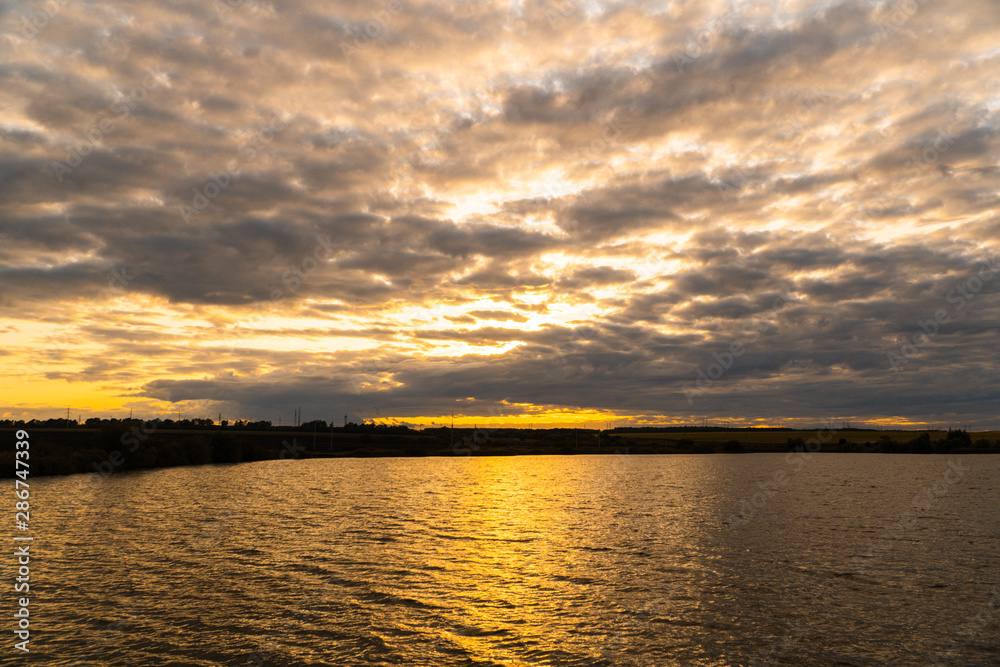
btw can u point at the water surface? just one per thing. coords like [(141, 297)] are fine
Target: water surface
[(535, 560)]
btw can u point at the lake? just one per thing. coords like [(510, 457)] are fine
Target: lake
[(742, 559)]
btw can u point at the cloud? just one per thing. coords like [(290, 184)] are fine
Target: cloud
[(553, 206)]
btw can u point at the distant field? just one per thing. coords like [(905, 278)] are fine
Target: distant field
[(781, 437)]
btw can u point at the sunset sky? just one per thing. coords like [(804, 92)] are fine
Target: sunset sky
[(556, 213)]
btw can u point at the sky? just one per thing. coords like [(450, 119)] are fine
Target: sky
[(530, 212)]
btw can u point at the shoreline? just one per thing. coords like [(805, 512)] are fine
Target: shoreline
[(128, 446)]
